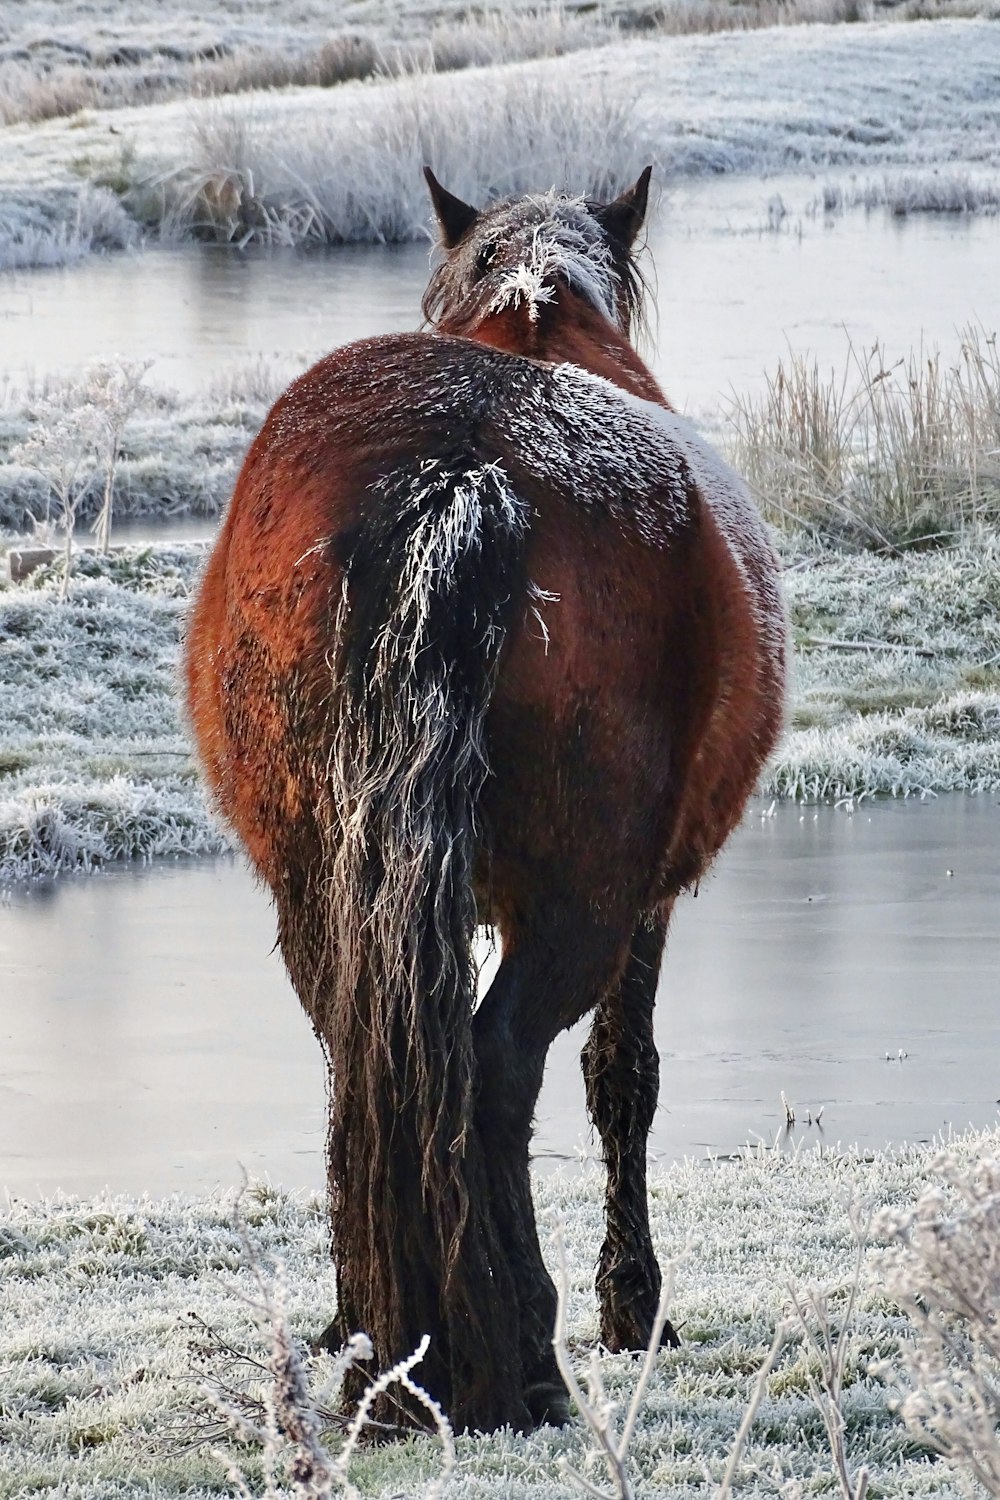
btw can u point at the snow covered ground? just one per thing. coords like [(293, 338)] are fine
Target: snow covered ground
[(114, 1313), (334, 164)]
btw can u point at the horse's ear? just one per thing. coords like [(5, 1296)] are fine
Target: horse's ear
[(454, 217), (623, 218)]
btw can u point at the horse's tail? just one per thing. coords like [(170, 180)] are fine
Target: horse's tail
[(430, 584)]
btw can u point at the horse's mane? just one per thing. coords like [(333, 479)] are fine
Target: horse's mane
[(519, 249)]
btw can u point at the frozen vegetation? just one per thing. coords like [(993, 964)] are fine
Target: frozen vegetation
[(897, 675), (178, 456), (110, 1393), (884, 453), (94, 763), (307, 163), (58, 59), (935, 191)]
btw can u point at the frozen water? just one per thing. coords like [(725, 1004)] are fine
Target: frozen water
[(732, 295), (152, 1041)]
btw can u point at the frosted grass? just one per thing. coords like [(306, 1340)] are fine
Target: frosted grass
[(883, 453), (897, 693), (355, 175), (94, 763), (180, 457), (939, 191), (100, 1393), (58, 61), (299, 164), (62, 228)]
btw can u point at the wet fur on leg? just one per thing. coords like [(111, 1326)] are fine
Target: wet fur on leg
[(622, 1074)]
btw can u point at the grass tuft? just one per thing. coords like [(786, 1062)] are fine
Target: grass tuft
[(357, 176), (884, 456), (947, 191)]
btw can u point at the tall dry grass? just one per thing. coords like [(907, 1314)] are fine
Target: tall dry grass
[(938, 191), (355, 174), (47, 86), (884, 455)]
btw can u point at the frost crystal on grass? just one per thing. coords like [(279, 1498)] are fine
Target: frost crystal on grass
[(97, 1396), (944, 1269)]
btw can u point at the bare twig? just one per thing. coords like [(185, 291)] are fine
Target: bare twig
[(595, 1408), (286, 1420), (831, 1349), (830, 644)]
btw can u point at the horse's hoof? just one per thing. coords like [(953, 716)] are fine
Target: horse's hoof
[(548, 1404), (669, 1338), (629, 1337), (330, 1340)]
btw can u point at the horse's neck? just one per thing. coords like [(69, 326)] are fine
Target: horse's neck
[(575, 334)]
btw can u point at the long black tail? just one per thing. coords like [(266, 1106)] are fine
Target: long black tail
[(431, 584)]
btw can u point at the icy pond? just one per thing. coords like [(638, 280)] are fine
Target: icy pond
[(744, 271), (150, 1040)]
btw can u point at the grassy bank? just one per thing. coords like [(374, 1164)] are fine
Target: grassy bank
[(305, 163), (103, 1394), (94, 764), (55, 63)]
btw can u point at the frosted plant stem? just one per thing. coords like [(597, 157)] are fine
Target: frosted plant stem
[(831, 1351), (760, 1387), (594, 1407), (652, 1349), (597, 1421)]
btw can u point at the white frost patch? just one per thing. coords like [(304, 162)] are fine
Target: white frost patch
[(563, 247), (729, 500), (100, 1393), (591, 437)]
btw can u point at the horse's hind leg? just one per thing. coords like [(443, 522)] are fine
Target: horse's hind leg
[(550, 979), (622, 1072)]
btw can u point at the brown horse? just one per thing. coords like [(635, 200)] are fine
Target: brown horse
[(489, 636)]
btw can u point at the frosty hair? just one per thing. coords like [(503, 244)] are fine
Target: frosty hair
[(516, 253)]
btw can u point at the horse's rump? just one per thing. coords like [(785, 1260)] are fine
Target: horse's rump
[(632, 619)]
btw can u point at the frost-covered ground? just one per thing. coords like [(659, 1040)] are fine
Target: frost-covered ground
[(57, 56), (104, 1349), (897, 692), (94, 764), (307, 163), (180, 456)]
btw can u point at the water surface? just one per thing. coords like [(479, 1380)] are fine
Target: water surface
[(733, 295), (149, 1040)]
